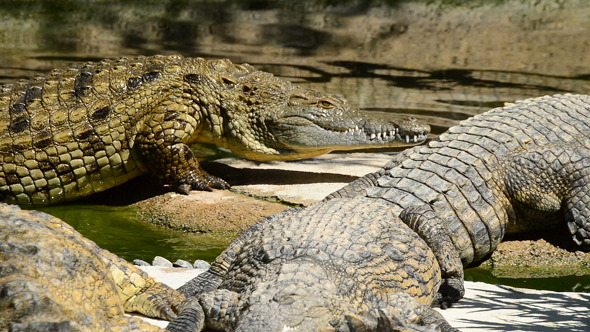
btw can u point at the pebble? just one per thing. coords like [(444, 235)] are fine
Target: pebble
[(139, 262), (161, 261), (180, 263), (201, 264), (183, 264)]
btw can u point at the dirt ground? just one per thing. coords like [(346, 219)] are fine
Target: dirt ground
[(538, 258)]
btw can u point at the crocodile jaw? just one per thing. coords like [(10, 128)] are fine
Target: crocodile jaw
[(297, 137), (303, 134)]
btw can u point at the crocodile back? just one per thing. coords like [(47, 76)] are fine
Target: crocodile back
[(69, 133), (365, 259), (458, 173)]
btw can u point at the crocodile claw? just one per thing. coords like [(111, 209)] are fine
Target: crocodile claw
[(450, 291), (203, 182)]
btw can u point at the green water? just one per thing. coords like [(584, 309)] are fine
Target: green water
[(116, 229)]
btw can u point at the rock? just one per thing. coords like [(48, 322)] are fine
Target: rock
[(140, 262), (161, 261), (203, 212), (299, 182), (183, 264), (201, 264)]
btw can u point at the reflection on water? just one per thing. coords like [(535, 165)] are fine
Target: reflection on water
[(441, 61)]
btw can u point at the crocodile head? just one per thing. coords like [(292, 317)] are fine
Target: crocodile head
[(301, 296), (270, 119), (296, 296), (312, 122)]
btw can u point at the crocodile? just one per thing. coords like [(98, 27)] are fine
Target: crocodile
[(345, 265), (514, 169), (54, 279), (93, 126)]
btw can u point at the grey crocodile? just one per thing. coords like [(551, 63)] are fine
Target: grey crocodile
[(343, 265), (91, 127), (517, 168), (329, 266), (54, 279)]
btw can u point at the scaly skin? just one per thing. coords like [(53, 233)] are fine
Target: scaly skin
[(518, 168), (88, 128), (52, 278), (343, 265)]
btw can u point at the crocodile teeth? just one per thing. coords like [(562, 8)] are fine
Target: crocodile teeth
[(385, 135)]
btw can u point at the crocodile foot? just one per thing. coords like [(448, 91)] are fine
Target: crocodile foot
[(202, 182), (450, 291)]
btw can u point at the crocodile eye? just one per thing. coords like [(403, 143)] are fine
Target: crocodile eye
[(296, 100), (326, 104), (286, 299)]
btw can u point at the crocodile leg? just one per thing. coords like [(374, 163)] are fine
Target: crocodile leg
[(424, 221), (433, 317), (162, 144), (212, 278), (551, 177), (176, 165), (203, 289), (141, 293), (156, 300), (190, 318), (220, 308)]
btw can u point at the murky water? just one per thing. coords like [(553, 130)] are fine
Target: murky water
[(441, 61)]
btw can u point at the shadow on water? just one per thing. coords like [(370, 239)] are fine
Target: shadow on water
[(441, 61)]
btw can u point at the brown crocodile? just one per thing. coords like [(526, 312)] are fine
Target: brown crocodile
[(91, 127), (518, 168), (54, 279), (342, 265)]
